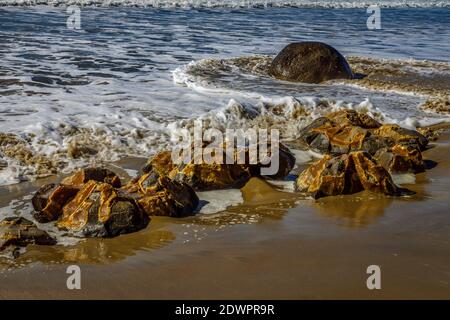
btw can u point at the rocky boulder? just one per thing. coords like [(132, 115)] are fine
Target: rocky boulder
[(20, 232), (401, 158), (310, 62), (160, 163), (347, 130), (49, 200), (212, 176), (354, 118), (164, 196), (347, 174), (402, 136), (100, 210), (97, 174), (286, 162)]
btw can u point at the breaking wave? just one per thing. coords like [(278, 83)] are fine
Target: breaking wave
[(235, 3)]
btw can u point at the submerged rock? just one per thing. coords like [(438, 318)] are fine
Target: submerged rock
[(20, 232), (347, 174), (97, 174), (100, 210), (401, 159), (310, 62), (49, 200)]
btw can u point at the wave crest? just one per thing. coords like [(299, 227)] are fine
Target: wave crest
[(233, 3)]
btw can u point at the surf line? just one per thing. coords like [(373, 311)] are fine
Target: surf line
[(186, 310)]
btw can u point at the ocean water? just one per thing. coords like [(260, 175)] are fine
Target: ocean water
[(138, 70)]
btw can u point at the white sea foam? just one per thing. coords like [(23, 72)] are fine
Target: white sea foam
[(404, 178), (305, 156), (219, 200), (283, 185), (235, 3)]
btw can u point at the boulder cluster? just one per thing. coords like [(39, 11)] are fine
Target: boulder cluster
[(359, 154)]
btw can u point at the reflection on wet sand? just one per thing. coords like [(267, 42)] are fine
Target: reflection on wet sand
[(261, 201), (354, 211), (96, 251)]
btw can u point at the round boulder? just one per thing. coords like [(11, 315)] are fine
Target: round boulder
[(310, 62)]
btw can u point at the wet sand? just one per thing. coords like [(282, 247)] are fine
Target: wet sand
[(276, 245)]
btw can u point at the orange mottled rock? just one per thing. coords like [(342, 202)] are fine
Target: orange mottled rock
[(161, 196), (100, 210), (401, 158), (346, 174), (204, 175), (160, 162), (166, 197), (354, 118), (49, 200), (345, 131), (211, 176), (79, 178), (402, 135)]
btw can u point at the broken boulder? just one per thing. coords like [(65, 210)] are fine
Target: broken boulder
[(49, 200), (82, 176), (165, 197), (345, 131), (347, 174), (100, 210), (401, 158)]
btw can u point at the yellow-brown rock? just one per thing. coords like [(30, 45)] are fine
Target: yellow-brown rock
[(354, 118), (345, 131), (97, 174), (402, 135), (100, 210), (49, 200), (212, 176), (166, 197), (160, 162), (401, 158), (346, 174)]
